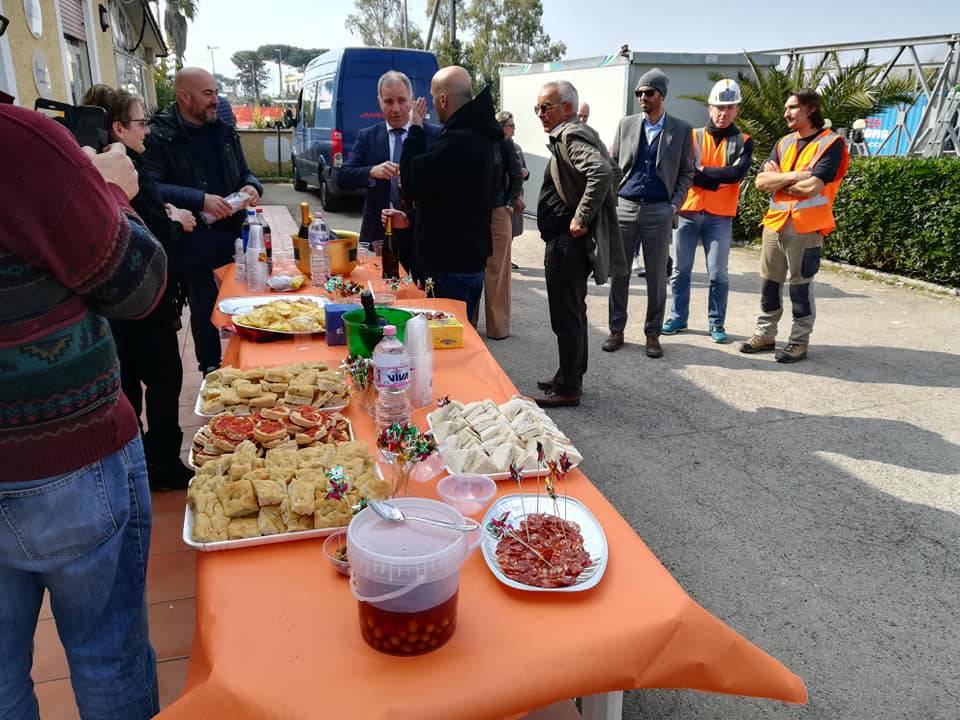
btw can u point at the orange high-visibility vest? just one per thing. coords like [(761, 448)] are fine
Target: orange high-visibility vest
[(723, 200), (809, 214)]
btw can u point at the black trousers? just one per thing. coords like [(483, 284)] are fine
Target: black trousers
[(150, 354), (567, 265), (201, 296)]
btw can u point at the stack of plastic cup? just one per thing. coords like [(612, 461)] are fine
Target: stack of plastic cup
[(419, 347)]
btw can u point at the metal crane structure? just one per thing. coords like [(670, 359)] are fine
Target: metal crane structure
[(937, 78)]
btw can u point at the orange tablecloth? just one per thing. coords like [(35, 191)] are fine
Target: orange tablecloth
[(277, 633), (364, 272)]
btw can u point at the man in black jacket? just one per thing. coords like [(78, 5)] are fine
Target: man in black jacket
[(452, 186), (197, 161)]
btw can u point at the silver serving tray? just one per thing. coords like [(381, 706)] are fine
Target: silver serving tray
[(187, 535), (594, 539), (245, 303), (498, 476)]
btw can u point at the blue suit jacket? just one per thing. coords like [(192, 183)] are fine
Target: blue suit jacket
[(372, 147)]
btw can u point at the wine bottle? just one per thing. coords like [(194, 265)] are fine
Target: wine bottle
[(390, 262), (370, 316), (305, 221)]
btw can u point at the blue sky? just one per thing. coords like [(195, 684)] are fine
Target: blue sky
[(695, 25)]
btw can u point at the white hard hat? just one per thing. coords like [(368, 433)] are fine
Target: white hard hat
[(725, 92)]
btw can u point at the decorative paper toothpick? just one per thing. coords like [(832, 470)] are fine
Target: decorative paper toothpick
[(517, 474), (338, 488)]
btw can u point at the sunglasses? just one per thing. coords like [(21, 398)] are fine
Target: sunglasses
[(648, 93), (3, 24), (543, 109)]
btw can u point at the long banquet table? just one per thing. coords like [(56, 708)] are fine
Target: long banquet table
[(277, 633)]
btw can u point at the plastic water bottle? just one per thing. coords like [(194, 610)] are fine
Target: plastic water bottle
[(391, 376), (319, 239), (256, 260), (239, 261)]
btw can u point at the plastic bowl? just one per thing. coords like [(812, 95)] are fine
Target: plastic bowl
[(362, 339), (331, 545), (469, 494)]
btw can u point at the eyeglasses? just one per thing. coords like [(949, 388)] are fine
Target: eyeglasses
[(648, 93), (3, 24), (543, 109), (140, 121)]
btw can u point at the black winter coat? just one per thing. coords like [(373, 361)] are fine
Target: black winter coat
[(181, 181), (452, 187)]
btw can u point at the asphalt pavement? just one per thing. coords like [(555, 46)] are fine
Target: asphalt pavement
[(814, 507)]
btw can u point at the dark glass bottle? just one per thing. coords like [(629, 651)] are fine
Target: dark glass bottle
[(391, 259), (370, 316)]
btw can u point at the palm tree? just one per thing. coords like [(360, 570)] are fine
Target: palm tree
[(848, 93), (175, 17)]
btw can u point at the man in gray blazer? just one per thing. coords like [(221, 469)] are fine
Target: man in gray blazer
[(577, 219), (655, 152)]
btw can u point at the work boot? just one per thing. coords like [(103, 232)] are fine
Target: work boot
[(791, 353), (653, 348), (613, 342), (758, 343)]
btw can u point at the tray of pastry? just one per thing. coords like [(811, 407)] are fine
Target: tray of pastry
[(293, 385), (244, 499), (268, 429), (485, 438)]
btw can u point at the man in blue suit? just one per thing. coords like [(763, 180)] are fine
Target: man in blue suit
[(374, 163)]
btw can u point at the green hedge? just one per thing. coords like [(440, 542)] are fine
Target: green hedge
[(899, 215)]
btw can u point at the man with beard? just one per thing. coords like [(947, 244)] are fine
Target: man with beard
[(197, 160)]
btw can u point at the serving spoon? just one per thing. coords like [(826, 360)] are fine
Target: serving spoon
[(390, 512)]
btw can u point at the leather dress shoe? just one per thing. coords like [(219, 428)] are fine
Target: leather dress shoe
[(613, 342), (653, 348), (555, 401)]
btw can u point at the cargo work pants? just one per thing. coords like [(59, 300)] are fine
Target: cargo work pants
[(795, 255)]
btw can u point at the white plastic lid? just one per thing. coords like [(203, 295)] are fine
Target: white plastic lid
[(400, 553)]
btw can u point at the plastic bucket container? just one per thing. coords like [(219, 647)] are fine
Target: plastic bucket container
[(343, 252), (406, 576), (362, 339)]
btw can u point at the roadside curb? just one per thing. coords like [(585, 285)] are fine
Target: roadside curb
[(875, 275)]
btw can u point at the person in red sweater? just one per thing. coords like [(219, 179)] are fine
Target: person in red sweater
[(75, 512)]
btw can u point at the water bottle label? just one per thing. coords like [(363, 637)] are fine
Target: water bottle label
[(392, 378)]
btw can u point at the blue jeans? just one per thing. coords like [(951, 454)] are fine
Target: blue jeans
[(85, 537), (461, 286), (715, 233)]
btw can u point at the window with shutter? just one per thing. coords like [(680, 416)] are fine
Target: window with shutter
[(71, 15)]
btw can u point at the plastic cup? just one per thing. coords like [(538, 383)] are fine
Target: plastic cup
[(469, 494)]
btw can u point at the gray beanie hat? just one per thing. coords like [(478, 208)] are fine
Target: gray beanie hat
[(655, 79)]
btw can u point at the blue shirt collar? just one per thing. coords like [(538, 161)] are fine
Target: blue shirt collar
[(656, 126)]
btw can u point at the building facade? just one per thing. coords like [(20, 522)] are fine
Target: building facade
[(56, 49)]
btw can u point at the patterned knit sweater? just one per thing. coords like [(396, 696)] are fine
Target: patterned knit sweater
[(72, 254)]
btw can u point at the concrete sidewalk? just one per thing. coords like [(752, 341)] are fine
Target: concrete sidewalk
[(812, 507)]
